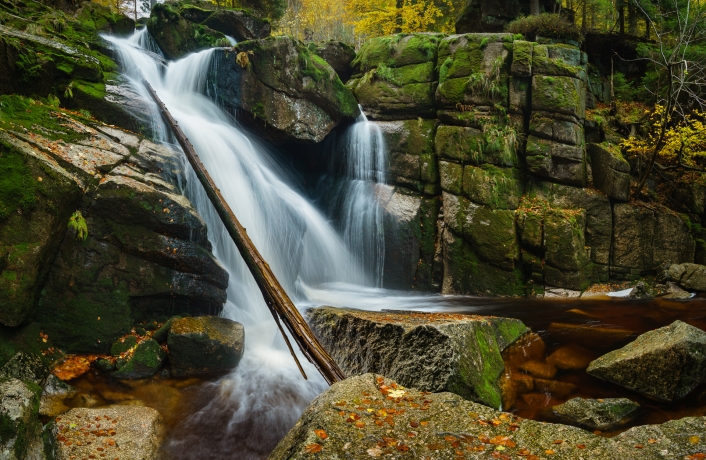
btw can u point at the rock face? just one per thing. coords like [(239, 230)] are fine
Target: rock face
[(204, 345), (598, 414), (146, 251), (611, 173), (370, 416), (664, 364), (19, 411), (281, 89), (180, 28), (431, 352), (122, 432)]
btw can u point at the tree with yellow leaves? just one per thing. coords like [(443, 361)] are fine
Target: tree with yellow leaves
[(373, 18)]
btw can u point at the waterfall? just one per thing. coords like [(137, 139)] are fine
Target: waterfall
[(348, 193), (265, 395)]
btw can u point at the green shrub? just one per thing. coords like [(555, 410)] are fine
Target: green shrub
[(544, 25), (623, 89)]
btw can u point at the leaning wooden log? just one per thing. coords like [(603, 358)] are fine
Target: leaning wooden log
[(275, 296)]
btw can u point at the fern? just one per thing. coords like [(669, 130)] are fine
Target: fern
[(78, 223)]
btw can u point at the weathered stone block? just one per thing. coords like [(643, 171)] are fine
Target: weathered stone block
[(564, 240), (470, 145), (146, 361), (664, 364), (410, 148), (204, 344), (611, 173), (598, 414), (432, 352), (19, 413), (499, 188), (564, 95), (451, 175), (519, 95), (521, 58), (531, 226), (551, 127), (493, 235), (561, 162)]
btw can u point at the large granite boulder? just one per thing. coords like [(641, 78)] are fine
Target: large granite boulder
[(204, 344), (19, 418), (431, 352), (339, 56), (281, 89), (598, 414), (180, 28), (394, 76), (117, 432), (688, 276), (370, 416), (664, 364)]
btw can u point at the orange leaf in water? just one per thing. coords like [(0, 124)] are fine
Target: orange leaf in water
[(313, 448), (359, 424), (74, 366), (321, 433)]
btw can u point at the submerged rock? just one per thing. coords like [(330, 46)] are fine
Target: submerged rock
[(369, 416), (431, 352), (204, 345), (146, 360), (20, 426), (281, 89), (664, 364), (54, 396), (121, 432), (598, 414)]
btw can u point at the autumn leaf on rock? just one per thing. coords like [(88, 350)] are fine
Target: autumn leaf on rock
[(313, 448), (321, 434)]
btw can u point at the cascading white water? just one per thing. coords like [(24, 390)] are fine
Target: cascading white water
[(358, 165), (262, 399)]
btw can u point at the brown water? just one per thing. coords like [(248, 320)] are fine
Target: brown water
[(199, 413)]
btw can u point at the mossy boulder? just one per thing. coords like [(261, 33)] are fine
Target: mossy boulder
[(146, 360), (664, 364), (473, 70), (521, 58), (205, 344), (20, 428), (598, 414), (564, 239), (282, 90), (25, 366), (430, 352), (394, 75), (339, 56), (451, 177), (555, 128), (493, 235), (123, 344)]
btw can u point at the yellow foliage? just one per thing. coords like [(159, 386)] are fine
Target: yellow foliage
[(684, 142), (316, 20), (384, 17)]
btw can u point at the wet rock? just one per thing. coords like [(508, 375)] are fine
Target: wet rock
[(640, 291), (204, 344), (27, 367), (570, 357), (21, 429), (122, 432), (611, 172), (176, 35), (446, 424), (688, 276), (239, 24), (54, 396), (394, 77), (146, 361), (339, 56), (282, 90), (122, 345), (555, 388), (432, 352), (598, 414), (162, 334), (538, 369), (664, 364)]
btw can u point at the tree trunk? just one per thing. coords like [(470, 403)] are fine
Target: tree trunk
[(632, 18), (534, 7), (583, 16), (399, 5), (275, 296), (621, 16)]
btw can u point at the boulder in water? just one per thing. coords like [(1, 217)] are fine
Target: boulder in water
[(281, 89), (687, 275), (598, 414), (122, 432), (664, 364), (19, 410), (145, 361), (205, 344), (429, 351)]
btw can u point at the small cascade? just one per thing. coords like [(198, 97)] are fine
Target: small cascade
[(358, 166)]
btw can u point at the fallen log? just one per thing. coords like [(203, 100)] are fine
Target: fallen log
[(275, 296)]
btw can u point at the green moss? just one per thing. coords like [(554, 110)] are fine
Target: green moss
[(122, 345), (493, 186)]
